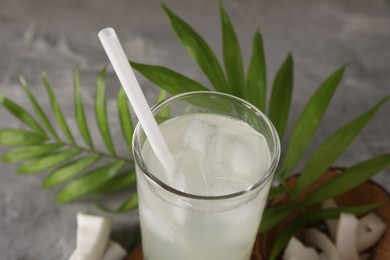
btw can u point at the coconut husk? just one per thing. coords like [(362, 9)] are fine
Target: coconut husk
[(366, 193)]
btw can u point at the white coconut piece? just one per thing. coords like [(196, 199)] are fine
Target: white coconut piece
[(73, 256), (370, 229), (331, 223), (346, 242), (297, 251), (293, 246), (92, 236), (319, 240), (114, 252)]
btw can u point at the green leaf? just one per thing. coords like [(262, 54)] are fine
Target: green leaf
[(38, 109), (309, 120), (125, 118), (47, 162), (279, 106), (79, 110), (257, 75), (332, 148), (118, 183), (289, 231), (69, 170), (130, 203), (56, 109), (272, 216), (21, 114), (29, 152), (168, 79), (335, 212), (349, 179), (17, 137), (274, 192), (101, 112), (90, 181), (199, 50), (232, 56), (163, 112)]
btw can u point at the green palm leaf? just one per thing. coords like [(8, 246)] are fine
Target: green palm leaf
[(118, 183), (21, 114), (47, 162), (309, 120), (272, 216), (349, 179), (79, 110), (17, 137), (167, 79), (279, 106), (321, 214), (275, 191), (69, 170), (125, 118), (101, 112), (199, 50), (29, 152), (232, 56), (330, 150), (291, 229), (38, 109), (90, 181), (56, 109), (163, 112), (130, 203), (256, 83)]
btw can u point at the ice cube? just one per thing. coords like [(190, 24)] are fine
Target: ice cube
[(153, 222), (250, 155), (189, 174), (230, 153), (197, 134)]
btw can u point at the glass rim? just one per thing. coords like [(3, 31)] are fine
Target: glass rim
[(137, 149)]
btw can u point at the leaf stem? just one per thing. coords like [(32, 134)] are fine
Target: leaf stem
[(116, 157), (57, 140), (293, 196)]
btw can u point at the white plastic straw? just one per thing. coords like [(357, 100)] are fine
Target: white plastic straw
[(137, 99)]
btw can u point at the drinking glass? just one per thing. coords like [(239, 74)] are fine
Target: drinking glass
[(176, 225)]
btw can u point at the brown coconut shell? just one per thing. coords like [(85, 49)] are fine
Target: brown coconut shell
[(366, 193)]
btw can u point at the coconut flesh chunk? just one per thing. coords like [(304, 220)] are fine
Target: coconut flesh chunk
[(114, 252), (319, 240), (92, 236), (297, 251), (73, 256), (331, 223), (369, 231), (346, 242)]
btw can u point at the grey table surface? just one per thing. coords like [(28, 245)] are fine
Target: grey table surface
[(55, 35)]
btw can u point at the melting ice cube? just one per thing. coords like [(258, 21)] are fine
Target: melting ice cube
[(236, 154), (197, 134)]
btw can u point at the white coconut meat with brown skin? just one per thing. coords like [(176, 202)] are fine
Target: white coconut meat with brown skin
[(346, 242), (331, 223), (92, 236), (297, 251), (370, 229), (319, 240)]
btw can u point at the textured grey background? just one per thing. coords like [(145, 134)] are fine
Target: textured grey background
[(55, 35)]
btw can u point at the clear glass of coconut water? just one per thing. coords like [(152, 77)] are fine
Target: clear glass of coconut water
[(210, 207)]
